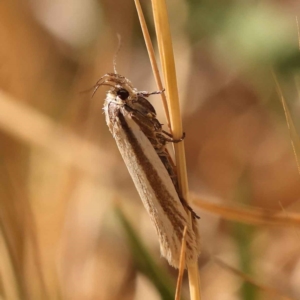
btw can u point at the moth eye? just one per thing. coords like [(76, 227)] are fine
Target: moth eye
[(123, 94)]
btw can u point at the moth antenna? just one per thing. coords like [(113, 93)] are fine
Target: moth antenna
[(117, 52)]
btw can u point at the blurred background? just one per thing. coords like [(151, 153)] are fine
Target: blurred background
[(72, 224)]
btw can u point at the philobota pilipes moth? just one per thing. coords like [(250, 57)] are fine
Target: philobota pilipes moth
[(142, 143)]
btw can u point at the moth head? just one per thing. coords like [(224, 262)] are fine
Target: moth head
[(122, 89)]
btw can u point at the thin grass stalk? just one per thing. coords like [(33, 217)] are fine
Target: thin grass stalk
[(249, 215), (11, 282), (152, 58), (181, 266), (294, 137), (168, 67)]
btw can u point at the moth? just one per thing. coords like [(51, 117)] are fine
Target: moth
[(132, 121)]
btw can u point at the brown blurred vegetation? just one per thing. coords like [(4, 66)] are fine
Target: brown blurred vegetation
[(61, 175)]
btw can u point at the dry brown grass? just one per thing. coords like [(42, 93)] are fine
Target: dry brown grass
[(61, 173)]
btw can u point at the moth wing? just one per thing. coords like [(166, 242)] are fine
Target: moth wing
[(155, 188)]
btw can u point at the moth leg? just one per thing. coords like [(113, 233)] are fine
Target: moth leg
[(185, 204), (147, 94), (171, 140)]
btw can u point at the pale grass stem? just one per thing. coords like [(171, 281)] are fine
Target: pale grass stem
[(152, 58), (168, 67), (181, 265), (249, 215), (294, 137), (10, 280)]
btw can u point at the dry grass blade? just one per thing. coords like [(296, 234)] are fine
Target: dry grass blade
[(298, 31), (34, 128), (152, 58), (248, 215), (9, 282), (19, 195), (181, 265), (168, 65), (295, 141), (249, 279)]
